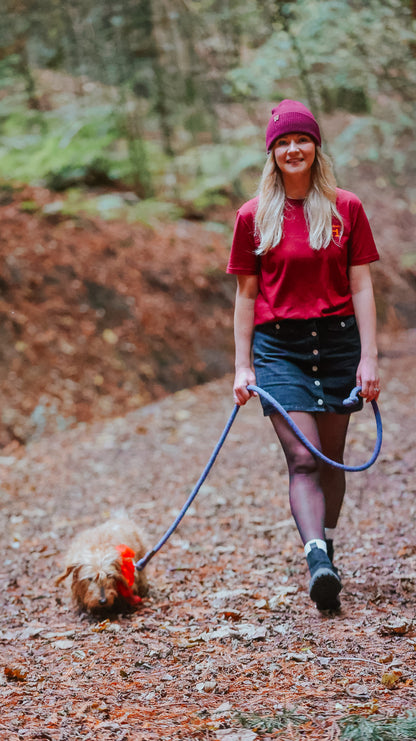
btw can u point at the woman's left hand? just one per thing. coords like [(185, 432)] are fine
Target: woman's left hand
[(369, 379)]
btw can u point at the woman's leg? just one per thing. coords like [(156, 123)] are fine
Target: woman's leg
[(316, 489), (332, 430), (307, 500)]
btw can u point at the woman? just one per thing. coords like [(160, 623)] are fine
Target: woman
[(305, 321)]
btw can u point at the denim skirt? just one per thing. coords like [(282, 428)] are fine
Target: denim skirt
[(308, 365)]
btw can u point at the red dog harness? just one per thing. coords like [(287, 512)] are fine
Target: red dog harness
[(127, 556)]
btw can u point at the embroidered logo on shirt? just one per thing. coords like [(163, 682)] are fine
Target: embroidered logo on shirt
[(336, 231)]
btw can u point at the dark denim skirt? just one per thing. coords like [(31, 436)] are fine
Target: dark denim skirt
[(308, 365)]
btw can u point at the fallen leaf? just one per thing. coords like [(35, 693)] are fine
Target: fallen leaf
[(15, 673), (110, 337), (252, 632), (301, 656), (210, 635), (235, 735), (223, 709), (206, 686), (357, 690), (63, 644), (231, 615), (386, 659), (390, 679), (280, 595), (395, 626), (100, 627)]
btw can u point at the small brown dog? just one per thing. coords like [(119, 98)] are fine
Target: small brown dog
[(102, 562)]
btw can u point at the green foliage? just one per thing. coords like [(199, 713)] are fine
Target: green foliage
[(341, 54), (29, 206), (268, 724), (169, 71), (8, 70), (274, 61), (212, 168), (352, 99), (377, 728), (151, 211), (375, 139), (70, 145), (344, 42), (110, 206), (408, 260)]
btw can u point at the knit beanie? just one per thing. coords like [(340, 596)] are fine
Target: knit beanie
[(290, 117)]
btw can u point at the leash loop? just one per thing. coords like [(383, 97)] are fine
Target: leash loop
[(351, 401)]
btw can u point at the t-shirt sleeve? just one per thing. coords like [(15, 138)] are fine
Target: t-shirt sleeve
[(243, 260), (361, 243)]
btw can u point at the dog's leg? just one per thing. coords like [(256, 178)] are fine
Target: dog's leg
[(141, 586)]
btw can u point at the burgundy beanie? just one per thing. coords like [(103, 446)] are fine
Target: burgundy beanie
[(290, 117)]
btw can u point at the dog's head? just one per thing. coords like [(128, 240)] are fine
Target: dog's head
[(96, 580)]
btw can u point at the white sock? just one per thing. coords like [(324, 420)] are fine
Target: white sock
[(319, 544), (330, 533)]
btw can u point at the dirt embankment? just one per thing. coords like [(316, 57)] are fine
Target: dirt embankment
[(98, 318)]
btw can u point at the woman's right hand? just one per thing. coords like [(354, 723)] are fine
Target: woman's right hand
[(243, 378)]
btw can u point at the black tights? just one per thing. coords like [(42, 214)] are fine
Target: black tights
[(316, 489)]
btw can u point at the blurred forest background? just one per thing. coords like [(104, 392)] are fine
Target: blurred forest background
[(130, 131)]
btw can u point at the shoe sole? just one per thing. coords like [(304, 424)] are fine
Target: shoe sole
[(324, 589)]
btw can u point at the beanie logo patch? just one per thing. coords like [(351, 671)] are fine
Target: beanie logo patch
[(276, 118)]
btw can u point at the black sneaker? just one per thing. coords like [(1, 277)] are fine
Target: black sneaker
[(330, 553), (330, 549), (325, 584)]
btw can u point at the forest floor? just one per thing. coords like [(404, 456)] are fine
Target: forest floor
[(227, 645)]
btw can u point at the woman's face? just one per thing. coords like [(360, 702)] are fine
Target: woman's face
[(294, 154)]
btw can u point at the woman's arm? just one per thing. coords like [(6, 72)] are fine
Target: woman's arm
[(365, 311), (247, 290)]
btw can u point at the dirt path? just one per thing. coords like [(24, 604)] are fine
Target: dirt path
[(228, 632)]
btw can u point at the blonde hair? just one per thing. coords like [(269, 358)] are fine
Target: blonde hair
[(319, 205)]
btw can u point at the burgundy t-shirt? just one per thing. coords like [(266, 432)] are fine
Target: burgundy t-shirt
[(295, 281)]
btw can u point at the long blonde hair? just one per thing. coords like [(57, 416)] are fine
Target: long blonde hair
[(319, 205)]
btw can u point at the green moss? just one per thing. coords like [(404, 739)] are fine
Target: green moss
[(268, 724), (378, 728)]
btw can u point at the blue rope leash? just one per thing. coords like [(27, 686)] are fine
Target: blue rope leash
[(143, 561), (351, 401)]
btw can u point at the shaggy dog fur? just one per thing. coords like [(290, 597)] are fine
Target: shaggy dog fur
[(101, 578)]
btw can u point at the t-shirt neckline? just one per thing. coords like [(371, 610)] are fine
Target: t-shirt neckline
[(295, 201)]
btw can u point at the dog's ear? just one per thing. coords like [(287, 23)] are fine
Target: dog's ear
[(64, 574)]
